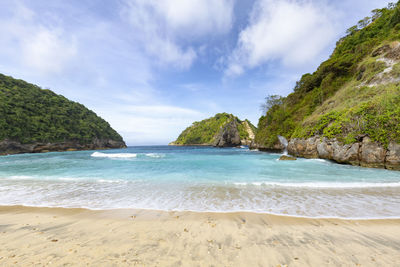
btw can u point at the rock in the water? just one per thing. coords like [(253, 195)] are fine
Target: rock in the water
[(285, 157)]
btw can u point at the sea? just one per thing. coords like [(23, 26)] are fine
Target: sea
[(199, 179)]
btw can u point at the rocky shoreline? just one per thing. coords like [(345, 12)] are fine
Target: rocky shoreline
[(365, 152), (13, 147), (277, 148)]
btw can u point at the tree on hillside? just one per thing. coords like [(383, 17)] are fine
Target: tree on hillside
[(270, 102)]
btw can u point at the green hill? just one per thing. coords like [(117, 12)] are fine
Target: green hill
[(354, 94), (221, 130), (35, 120)]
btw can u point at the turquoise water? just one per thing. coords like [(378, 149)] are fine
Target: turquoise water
[(198, 179)]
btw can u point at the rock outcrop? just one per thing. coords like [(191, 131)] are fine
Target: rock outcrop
[(228, 136), (222, 130), (392, 161), (364, 153), (277, 147), (250, 129), (287, 158), (14, 147)]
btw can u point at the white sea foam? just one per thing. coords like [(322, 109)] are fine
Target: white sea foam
[(110, 194), (116, 181), (155, 155), (321, 184), (75, 180), (318, 160), (113, 155), (70, 179), (20, 177)]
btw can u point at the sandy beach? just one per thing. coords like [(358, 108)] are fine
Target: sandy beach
[(70, 237)]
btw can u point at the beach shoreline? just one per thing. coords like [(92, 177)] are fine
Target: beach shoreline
[(65, 236)]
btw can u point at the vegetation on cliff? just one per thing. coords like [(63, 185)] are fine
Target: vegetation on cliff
[(206, 131), (29, 114), (355, 92)]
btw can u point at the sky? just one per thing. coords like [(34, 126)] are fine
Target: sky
[(152, 67)]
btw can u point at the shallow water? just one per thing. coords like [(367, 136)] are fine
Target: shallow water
[(198, 179)]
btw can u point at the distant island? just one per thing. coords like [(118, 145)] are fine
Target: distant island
[(222, 130), (348, 110), (37, 120)]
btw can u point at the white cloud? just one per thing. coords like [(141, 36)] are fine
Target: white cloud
[(39, 48), (196, 17), (150, 124), (165, 27), (46, 51), (293, 32)]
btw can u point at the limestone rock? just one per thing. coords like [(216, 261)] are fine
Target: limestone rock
[(364, 153), (393, 157), (277, 147), (325, 149), (372, 154), (228, 136), (346, 153), (285, 157), (303, 148), (251, 133)]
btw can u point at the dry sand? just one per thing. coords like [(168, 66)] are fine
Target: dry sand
[(78, 237)]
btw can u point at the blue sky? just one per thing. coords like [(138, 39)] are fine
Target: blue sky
[(152, 67)]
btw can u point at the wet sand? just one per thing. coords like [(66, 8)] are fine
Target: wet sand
[(70, 237)]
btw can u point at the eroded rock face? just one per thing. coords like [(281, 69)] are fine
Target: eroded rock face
[(393, 157), (13, 147), (372, 154), (228, 136), (325, 149), (346, 153), (365, 153), (306, 148), (278, 147), (249, 130)]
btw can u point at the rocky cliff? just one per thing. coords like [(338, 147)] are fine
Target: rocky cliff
[(37, 120), (364, 153), (228, 136), (222, 130), (348, 110)]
